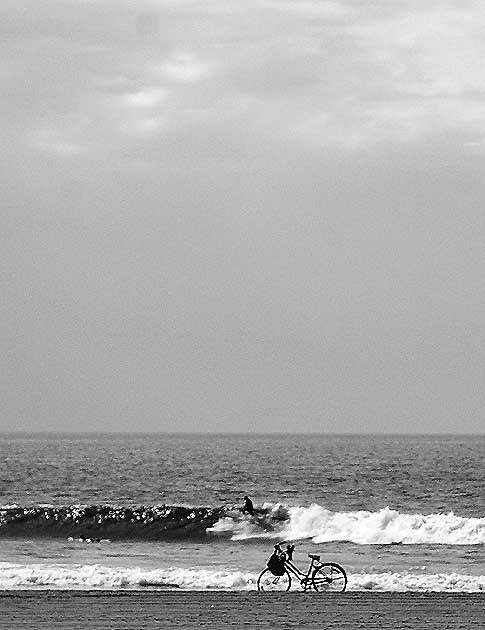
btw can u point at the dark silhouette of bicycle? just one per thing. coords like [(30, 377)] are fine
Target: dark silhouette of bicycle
[(323, 577)]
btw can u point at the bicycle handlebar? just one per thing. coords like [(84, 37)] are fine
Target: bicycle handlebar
[(282, 542)]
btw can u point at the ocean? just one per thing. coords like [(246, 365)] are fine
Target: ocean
[(118, 511)]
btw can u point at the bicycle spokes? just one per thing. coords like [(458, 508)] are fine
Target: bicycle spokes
[(329, 577), (268, 582)]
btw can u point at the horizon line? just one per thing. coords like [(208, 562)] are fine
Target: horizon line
[(236, 433)]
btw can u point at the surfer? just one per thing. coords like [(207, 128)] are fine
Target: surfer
[(248, 506)]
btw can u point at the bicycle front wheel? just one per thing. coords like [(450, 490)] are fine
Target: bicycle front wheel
[(329, 577), (268, 582)]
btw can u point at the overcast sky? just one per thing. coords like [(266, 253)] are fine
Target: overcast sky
[(243, 215)]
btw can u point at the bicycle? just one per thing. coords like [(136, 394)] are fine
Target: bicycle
[(323, 577)]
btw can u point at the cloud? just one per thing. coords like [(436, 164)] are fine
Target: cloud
[(182, 68), (301, 73), (145, 98), (193, 190)]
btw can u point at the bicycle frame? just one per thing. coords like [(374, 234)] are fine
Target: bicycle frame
[(320, 576), (304, 578)]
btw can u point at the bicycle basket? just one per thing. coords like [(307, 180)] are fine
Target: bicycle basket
[(276, 563)]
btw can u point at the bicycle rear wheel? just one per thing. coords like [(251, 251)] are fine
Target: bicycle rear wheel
[(329, 577), (268, 582)]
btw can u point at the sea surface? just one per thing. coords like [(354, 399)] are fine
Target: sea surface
[(117, 511)]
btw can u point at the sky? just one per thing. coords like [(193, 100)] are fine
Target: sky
[(242, 216)]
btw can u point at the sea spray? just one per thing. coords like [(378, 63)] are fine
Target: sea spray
[(383, 527)]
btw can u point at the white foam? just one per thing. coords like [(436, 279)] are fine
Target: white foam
[(76, 576), (383, 527), (263, 525), (405, 582)]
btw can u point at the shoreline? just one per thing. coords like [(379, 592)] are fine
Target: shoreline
[(102, 609)]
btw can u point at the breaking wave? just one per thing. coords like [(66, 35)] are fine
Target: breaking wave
[(384, 527), (159, 522), (271, 521), (13, 576)]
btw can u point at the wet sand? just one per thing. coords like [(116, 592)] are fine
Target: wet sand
[(147, 610)]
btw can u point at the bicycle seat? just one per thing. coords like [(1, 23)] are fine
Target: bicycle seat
[(313, 556)]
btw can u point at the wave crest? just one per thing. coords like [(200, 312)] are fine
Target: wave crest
[(107, 521), (271, 521)]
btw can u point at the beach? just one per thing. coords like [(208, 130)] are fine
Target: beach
[(117, 554), (94, 610)]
